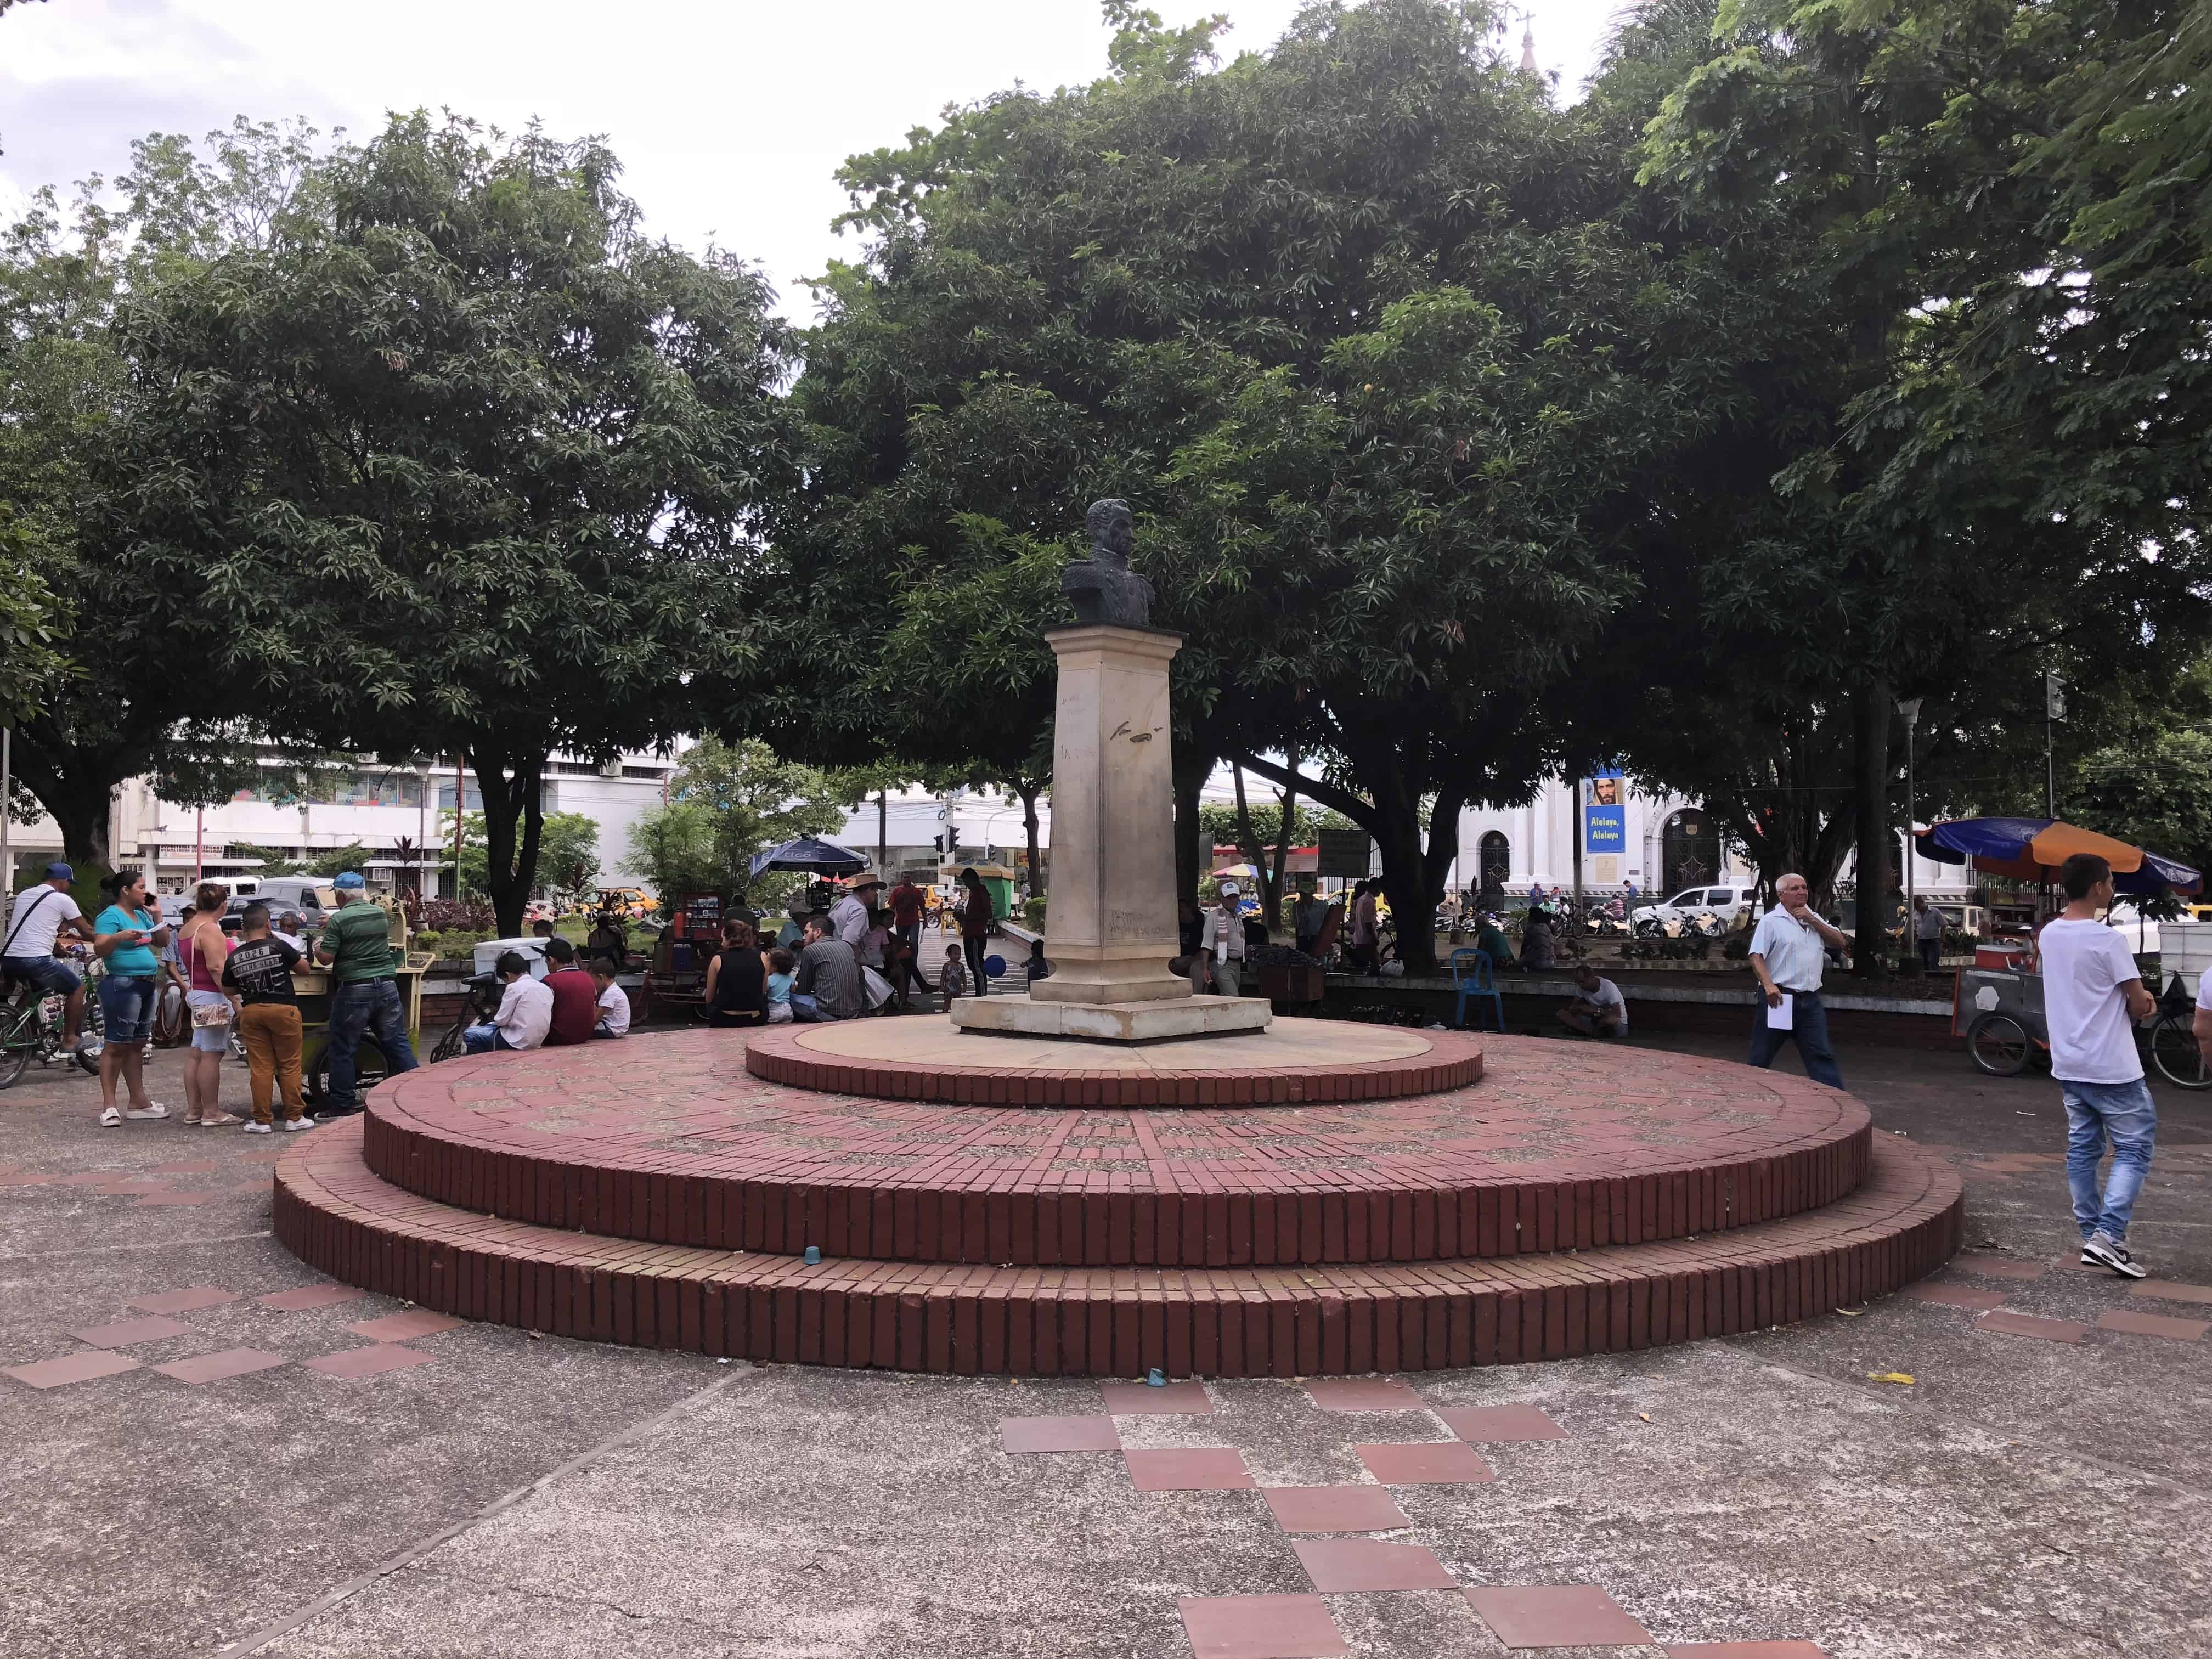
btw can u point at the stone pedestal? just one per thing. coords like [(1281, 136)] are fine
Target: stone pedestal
[(1110, 926)]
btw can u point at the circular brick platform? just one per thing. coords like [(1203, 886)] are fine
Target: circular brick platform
[(1295, 1061), (336, 1214), (670, 1142)]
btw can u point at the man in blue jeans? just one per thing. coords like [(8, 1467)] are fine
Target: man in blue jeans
[(364, 992), (2092, 995), (1789, 951)]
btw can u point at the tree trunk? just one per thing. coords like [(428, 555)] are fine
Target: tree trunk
[(1287, 800), (1030, 831), (1871, 710), (1248, 841), (1413, 873), (1193, 764), (883, 833), (510, 862)]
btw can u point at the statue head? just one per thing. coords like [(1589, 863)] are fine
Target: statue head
[(1113, 532)]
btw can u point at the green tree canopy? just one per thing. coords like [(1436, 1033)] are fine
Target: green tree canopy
[(727, 802), (465, 464), (1345, 323)]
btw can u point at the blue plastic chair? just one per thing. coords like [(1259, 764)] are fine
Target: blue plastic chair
[(1471, 973)]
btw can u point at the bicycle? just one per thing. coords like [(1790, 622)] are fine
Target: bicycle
[(31, 1027)]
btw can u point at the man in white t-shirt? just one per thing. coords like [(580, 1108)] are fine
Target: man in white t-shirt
[(2093, 995), (1598, 1009), (39, 916)]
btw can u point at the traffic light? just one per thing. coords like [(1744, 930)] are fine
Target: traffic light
[(938, 841)]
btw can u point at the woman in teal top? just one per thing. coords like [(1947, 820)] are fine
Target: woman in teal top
[(125, 935)]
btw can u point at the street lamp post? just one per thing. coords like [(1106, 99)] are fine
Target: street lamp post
[(1910, 708)]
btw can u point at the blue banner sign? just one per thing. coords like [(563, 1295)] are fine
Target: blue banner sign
[(1605, 813)]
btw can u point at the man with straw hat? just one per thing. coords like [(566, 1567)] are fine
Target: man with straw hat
[(849, 917)]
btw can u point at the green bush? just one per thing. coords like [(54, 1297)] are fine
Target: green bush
[(1033, 914)]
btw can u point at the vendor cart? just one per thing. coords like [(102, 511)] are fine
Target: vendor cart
[(2000, 1012), (311, 985)]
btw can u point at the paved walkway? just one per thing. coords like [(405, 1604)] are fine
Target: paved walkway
[(259, 1461)]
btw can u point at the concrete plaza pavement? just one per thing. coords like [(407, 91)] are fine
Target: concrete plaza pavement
[(432, 1487)]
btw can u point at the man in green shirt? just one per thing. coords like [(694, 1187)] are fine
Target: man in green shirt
[(356, 944)]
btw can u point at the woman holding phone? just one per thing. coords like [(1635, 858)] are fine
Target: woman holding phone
[(125, 935)]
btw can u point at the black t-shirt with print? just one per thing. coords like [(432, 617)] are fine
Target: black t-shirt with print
[(261, 971)]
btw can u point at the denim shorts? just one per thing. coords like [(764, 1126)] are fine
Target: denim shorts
[(210, 1039), (126, 1006), (48, 973)]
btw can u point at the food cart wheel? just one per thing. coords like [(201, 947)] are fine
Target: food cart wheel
[(370, 1069), (1999, 1045), (2174, 1051)]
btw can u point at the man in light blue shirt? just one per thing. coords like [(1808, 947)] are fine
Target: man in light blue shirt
[(1788, 949)]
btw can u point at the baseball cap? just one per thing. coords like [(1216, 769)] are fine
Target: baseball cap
[(1229, 889), (59, 872), (349, 878)]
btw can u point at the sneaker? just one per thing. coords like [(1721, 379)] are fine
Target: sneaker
[(2106, 1253), (152, 1109), (258, 1129), (111, 1119), (298, 1124)]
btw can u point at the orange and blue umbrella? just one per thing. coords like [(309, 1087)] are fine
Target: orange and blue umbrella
[(2032, 849)]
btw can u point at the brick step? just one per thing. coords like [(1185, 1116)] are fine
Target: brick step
[(1559, 1147), (336, 1214)]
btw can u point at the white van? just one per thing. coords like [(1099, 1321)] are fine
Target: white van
[(312, 897)]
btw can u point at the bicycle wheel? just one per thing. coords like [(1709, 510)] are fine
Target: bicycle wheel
[(370, 1069), (2174, 1051), (451, 1046), (1999, 1045), (19, 1038)]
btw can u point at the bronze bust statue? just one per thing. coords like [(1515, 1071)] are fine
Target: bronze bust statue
[(1103, 588)]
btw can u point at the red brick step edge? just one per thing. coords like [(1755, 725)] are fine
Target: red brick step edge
[(338, 1215), (1454, 1061)]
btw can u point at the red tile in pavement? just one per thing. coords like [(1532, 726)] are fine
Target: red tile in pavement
[(1058, 1434), (310, 1296), (69, 1368), (1142, 1400), (1556, 1616), (2168, 1289), (18, 1178), (196, 1166), (2014, 1324), (185, 1301), (125, 1332), (1954, 1295), (89, 1178), (1260, 1627), (1335, 1509), (1426, 1463), (399, 1326), (135, 1183), (2143, 1324), (367, 1362), (144, 1198), (1745, 1650), (1190, 1468), (1491, 1425), (1363, 1394), (1350, 1566), (1994, 1267), (218, 1367)]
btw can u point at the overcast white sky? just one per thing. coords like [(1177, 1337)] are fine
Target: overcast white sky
[(730, 115)]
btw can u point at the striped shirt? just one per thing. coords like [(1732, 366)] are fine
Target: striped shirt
[(359, 940)]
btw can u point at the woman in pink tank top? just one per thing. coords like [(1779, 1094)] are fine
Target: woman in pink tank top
[(205, 948)]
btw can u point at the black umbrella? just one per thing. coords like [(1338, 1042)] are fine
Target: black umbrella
[(811, 852)]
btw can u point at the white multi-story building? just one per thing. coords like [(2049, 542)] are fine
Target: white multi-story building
[(393, 810)]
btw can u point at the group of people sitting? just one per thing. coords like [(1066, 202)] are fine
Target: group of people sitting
[(572, 1003)]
